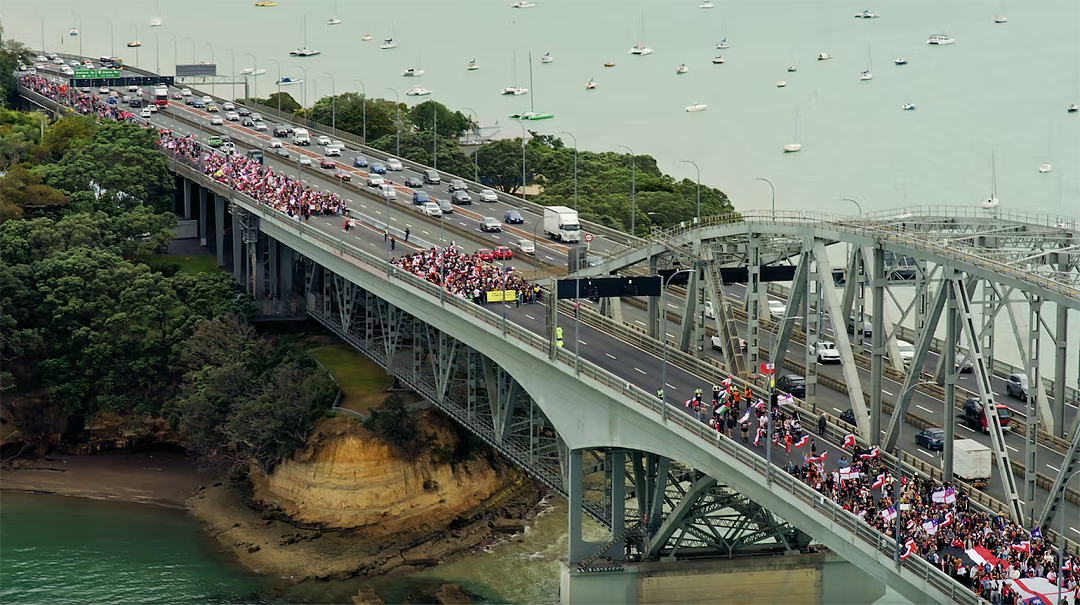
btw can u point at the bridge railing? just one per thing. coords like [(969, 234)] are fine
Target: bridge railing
[(624, 389)]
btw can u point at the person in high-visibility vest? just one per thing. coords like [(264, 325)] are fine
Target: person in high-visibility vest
[(697, 395), (715, 394), (558, 333), (747, 393), (660, 394)]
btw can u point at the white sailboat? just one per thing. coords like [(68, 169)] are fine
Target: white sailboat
[(991, 202), (547, 58), (532, 114), (417, 91), (155, 22), (515, 90), (640, 48), (334, 20), (413, 72), (723, 44), (251, 71), (682, 69), (1046, 166), (366, 38), (706, 4), (389, 42), (304, 51), (694, 107), (591, 85), (472, 66), (793, 147), (867, 75), (1001, 19)]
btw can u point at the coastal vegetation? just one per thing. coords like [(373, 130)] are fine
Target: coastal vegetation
[(603, 178)]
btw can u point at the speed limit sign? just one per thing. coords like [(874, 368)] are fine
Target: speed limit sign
[(588, 237)]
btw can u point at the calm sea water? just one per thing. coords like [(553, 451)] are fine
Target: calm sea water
[(1002, 89)]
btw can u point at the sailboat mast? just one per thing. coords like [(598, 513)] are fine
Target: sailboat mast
[(305, 32), (532, 91)]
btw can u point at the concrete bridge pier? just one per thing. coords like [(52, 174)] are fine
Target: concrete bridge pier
[(203, 215), (219, 229)]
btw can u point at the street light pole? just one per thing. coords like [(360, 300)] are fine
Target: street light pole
[(899, 470), (523, 133), (435, 135), (303, 86), (857, 205), (278, 66), (633, 187), (476, 152), (772, 392), (363, 107), (333, 100), (773, 195), (397, 104), (254, 74), (136, 26), (666, 217), (694, 164), (575, 166), (1061, 534)]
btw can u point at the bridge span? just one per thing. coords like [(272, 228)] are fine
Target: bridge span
[(659, 479)]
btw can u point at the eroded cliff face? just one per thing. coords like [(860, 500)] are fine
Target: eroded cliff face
[(348, 479)]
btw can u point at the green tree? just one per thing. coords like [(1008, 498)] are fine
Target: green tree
[(288, 103), (11, 52), (418, 147), (22, 191), (450, 123), (19, 132), (500, 163), (381, 114), (398, 428)]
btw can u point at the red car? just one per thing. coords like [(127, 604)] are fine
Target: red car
[(326, 163), (177, 96), (485, 254), (344, 176), (502, 253)]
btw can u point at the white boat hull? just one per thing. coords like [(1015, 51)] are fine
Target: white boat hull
[(792, 148), (990, 203), (781, 84), (695, 108), (1045, 168)]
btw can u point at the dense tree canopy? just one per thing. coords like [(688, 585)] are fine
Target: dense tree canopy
[(419, 146), (288, 103), (349, 110)]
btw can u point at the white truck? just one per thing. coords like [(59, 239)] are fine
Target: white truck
[(561, 223), (301, 136), (971, 462)]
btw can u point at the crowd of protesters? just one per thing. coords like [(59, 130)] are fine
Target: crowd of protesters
[(466, 275), (275, 189), (81, 103)]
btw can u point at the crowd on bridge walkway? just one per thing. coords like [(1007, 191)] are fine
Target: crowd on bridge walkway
[(466, 275), (988, 553), (266, 186), (81, 103)]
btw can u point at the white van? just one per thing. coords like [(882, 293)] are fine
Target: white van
[(387, 192), (301, 136)]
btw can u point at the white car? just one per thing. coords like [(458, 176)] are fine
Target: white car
[(146, 113), (186, 92), (104, 90), (276, 144), (431, 209), (67, 71), (232, 116), (323, 141), (153, 108), (777, 308), (58, 61), (709, 312), (332, 151), (525, 246), (907, 351), (488, 195), (260, 126), (394, 164), (206, 99), (216, 121), (375, 180), (827, 352), (718, 343), (134, 88), (305, 161), (41, 58), (228, 106)]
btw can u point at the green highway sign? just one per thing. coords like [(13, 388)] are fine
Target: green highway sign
[(83, 74)]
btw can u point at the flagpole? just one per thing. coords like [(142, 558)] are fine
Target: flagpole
[(899, 475)]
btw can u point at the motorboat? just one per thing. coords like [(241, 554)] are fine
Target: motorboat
[(866, 75), (532, 115), (251, 71), (522, 5), (155, 22), (866, 15), (900, 61), (1045, 167), (1001, 19), (473, 66), (640, 49), (1072, 108), (333, 21), (940, 39), (265, 4), (412, 72), (991, 202), (590, 85), (304, 52), (388, 44), (515, 91), (781, 84), (612, 64), (823, 57), (706, 4), (792, 148), (908, 106), (682, 69), (547, 58), (288, 81), (717, 60), (134, 44), (417, 91), (723, 44), (73, 32), (366, 38), (792, 69), (696, 107)]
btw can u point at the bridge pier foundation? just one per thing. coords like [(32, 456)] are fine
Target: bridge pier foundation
[(203, 213), (187, 199), (219, 229)]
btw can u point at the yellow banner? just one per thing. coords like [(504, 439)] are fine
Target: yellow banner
[(502, 296)]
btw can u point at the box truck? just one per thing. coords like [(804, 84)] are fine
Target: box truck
[(561, 223), (971, 462), (301, 136)]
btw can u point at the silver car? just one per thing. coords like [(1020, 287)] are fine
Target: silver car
[(431, 209), (525, 246), (490, 223), (488, 195)]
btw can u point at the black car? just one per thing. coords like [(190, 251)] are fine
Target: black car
[(866, 331), (513, 217), (136, 103), (248, 122), (975, 415), (932, 438), (244, 111), (413, 182), (848, 416), (792, 384), (460, 197), (280, 131)]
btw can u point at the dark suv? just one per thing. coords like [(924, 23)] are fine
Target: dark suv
[(792, 384), (281, 131), (976, 416)]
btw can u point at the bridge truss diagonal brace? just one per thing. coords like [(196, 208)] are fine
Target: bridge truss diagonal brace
[(690, 313), (882, 317), (1068, 467), (677, 515), (444, 351), (982, 377), (796, 300), (922, 347), (843, 343), (1024, 342), (502, 394), (942, 370), (724, 322)]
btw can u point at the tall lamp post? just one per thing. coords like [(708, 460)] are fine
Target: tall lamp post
[(663, 337), (857, 205), (694, 164), (476, 152), (772, 392), (523, 134), (899, 444), (773, 194), (575, 166), (136, 26), (397, 120), (211, 47), (255, 74), (303, 86), (333, 100), (363, 108), (78, 18), (666, 218), (435, 135), (633, 187), (1061, 533), (278, 66)]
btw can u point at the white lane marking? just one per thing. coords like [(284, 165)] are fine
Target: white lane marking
[(670, 335), (583, 342), (610, 355), (925, 410), (676, 307), (1053, 468), (638, 321), (670, 386), (530, 317), (1075, 530), (642, 371), (394, 218), (549, 257), (886, 392), (838, 410), (924, 452), (374, 245), (1013, 449), (424, 232), (966, 428)]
